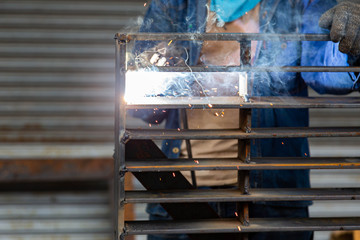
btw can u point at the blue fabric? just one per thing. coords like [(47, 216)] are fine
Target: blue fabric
[(291, 16), (228, 10)]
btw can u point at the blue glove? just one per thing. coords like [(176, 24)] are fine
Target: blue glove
[(343, 21)]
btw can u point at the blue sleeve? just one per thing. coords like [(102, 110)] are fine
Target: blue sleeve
[(162, 16), (324, 54)]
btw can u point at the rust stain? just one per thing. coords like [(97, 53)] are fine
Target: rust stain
[(56, 169)]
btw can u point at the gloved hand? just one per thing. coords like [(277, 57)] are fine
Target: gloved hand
[(343, 21)]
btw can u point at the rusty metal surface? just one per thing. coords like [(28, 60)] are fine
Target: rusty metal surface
[(239, 102), (143, 165), (236, 195), (231, 225), (55, 169), (58, 136), (255, 133)]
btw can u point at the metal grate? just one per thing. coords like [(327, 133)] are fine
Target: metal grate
[(243, 162)]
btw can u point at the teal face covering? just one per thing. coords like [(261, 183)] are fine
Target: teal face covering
[(230, 10)]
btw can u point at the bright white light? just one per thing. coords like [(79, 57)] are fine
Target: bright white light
[(141, 84), (243, 83)]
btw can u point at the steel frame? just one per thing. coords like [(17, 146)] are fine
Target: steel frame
[(244, 133)]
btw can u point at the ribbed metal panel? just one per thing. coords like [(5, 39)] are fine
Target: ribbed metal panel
[(56, 81), (55, 215), (57, 72)]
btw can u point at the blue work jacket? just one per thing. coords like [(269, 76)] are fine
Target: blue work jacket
[(276, 16)]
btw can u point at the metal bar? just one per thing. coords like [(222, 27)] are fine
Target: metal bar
[(188, 144), (120, 123), (224, 69), (238, 102), (221, 37), (243, 176), (236, 195), (233, 226), (235, 164), (256, 133)]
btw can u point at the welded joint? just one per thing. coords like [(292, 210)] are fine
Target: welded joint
[(247, 159), (124, 137), (122, 172), (122, 38), (247, 129), (246, 190), (246, 98), (245, 222), (123, 234)]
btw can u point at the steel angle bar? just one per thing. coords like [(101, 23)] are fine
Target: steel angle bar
[(255, 69), (221, 37), (143, 165), (239, 102), (234, 226), (256, 133), (235, 195)]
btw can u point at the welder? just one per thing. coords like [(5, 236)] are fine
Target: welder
[(341, 19)]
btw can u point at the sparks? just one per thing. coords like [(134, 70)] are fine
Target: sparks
[(236, 214), (271, 104), (216, 114), (239, 228), (305, 154), (160, 179), (210, 105), (173, 174), (170, 42), (282, 143), (196, 161)]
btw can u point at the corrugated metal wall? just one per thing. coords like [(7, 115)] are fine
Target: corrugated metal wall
[(56, 94), (57, 74)]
